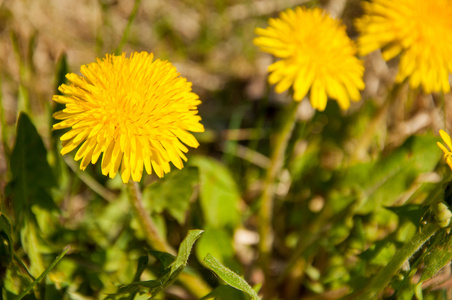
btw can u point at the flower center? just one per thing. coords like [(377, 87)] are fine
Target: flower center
[(433, 20)]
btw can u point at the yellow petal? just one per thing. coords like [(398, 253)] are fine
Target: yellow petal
[(446, 138)]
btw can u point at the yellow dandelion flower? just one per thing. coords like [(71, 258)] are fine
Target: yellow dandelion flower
[(418, 30), (447, 152), (136, 111), (316, 54)]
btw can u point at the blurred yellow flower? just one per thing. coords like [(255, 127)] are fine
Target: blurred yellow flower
[(135, 111), (447, 152), (418, 30), (315, 53)]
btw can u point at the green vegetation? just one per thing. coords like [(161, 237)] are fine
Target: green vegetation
[(358, 200)]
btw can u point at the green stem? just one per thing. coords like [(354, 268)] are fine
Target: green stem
[(4, 129), (266, 199), (368, 135), (150, 230), (90, 181), (192, 283), (24, 97), (30, 287), (125, 34), (383, 278), (308, 236)]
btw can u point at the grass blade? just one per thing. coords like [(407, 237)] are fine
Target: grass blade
[(52, 265)]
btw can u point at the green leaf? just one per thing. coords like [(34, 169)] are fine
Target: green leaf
[(382, 182), (141, 266), (153, 287), (173, 193), (436, 255), (412, 212), (5, 231), (62, 69), (6, 244), (219, 194), (31, 173), (165, 258), (52, 265), (185, 249), (229, 276), (225, 292), (439, 255), (217, 242), (380, 252), (3, 126), (181, 261)]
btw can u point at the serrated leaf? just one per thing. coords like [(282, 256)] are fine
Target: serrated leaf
[(185, 249), (153, 287), (229, 276), (219, 194)]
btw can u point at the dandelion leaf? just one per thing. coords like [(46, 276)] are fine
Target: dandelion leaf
[(382, 182), (229, 277), (6, 244), (185, 249), (379, 253), (219, 194), (141, 266), (439, 256), (226, 292), (170, 274), (31, 173)]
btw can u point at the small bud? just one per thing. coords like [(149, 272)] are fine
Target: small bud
[(442, 214)]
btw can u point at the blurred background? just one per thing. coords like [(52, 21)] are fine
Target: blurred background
[(210, 43)]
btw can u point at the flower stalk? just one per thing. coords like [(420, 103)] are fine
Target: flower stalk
[(380, 116), (147, 225), (266, 199), (192, 283)]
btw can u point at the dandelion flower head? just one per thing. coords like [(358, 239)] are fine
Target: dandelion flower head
[(135, 111), (315, 54), (447, 152), (418, 30)]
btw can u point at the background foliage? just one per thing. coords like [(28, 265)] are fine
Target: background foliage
[(346, 201)]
